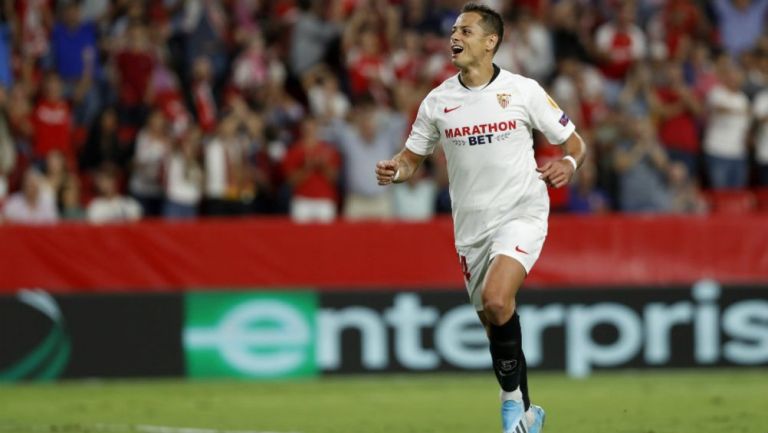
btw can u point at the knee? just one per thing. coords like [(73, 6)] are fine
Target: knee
[(498, 310)]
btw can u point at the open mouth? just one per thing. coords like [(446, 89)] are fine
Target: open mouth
[(456, 49)]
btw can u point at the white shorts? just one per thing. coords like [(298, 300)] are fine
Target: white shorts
[(312, 210), (522, 239)]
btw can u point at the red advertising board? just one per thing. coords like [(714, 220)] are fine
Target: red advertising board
[(257, 252)]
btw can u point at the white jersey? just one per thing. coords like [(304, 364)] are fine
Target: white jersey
[(487, 137)]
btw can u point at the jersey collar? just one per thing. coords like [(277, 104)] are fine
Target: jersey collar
[(496, 71)]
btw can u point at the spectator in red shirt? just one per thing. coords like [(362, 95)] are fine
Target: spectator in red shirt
[(52, 120), (134, 65), (677, 109), (369, 71), (620, 43), (312, 167), (203, 98)]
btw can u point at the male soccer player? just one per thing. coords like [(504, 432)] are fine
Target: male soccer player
[(484, 116)]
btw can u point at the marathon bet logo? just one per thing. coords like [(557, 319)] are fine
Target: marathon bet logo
[(250, 334)]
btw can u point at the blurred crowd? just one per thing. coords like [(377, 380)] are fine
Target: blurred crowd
[(115, 110)]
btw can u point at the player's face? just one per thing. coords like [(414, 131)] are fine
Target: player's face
[(469, 41)]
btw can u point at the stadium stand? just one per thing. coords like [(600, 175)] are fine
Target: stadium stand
[(228, 84)]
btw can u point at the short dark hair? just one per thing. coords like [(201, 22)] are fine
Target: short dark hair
[(490, 20)]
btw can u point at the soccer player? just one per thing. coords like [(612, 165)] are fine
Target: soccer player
[(484, 117)]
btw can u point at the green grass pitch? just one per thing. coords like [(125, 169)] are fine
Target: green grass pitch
[(697, 401)]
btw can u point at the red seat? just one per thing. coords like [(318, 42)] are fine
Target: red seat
[(761, 197), (735, 201)]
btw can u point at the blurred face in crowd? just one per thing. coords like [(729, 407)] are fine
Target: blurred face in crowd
[(201, 68), (626, 14), (309, 132), (107, 184), (674, 75), (53, 90), (55, 163), (71, 15), (469, 41), (156, 122), (137, 37), (109, 120), (191, 143), (742, 4), (365, 119), (228, 127), (369, 42), (731, 76), (70, 193), (31, 185)]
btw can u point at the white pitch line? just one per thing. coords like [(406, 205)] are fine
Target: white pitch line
[(117, 428), (166, 429)]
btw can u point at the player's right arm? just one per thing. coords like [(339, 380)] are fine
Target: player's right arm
[(400, 168), (420, 143)]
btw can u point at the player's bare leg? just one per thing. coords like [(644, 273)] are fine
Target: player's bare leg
[(504, 278)]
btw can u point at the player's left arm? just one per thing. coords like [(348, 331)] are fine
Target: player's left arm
[(559, 173)]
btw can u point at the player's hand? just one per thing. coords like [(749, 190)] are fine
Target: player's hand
[(385, 171), (556, 173)]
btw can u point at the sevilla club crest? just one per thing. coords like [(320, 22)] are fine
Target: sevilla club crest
[(503, 99)]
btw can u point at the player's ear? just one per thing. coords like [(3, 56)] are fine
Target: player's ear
[(490, 41)]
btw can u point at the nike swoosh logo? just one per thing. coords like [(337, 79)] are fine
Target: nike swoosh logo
[(448, 110), (519, 250)]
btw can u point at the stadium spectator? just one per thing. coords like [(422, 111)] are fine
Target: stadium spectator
[(677, 109), (371, 136), (7, 149), (52, 121), (250, 70), (206, 30), (527, 48), (192, 59), (153, 144), (586, 197), (642, 164), (312, 168), (673, 28), (110, 206), (103, 145), (619, 44), (760, 110), (369, 34), (74, 50), (282, 112), (19, 112), (686, 197), (407, 60), (34, 204), (326, 100), (69, 201), (725, 138), (740, 22), (167, 96), (312, 35), (204, 100), (638, 95), (229, 188), (570, 31), (6, 43), (133, 66), (184, 177), (56, 171), (35, 19), (415, 200)]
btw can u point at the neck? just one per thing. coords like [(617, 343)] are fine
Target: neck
[(477, 75)]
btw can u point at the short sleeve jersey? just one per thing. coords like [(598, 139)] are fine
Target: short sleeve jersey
[(487, 137)]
